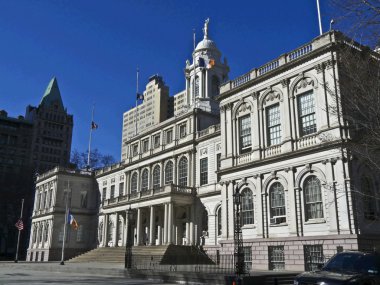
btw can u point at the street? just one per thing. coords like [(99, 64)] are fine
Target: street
[(10, 275)]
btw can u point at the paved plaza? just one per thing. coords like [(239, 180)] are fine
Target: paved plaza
[(18, 275)]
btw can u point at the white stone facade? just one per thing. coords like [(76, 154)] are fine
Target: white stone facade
[(48, 216)]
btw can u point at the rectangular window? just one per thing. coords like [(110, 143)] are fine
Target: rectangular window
[(273, 125), (245, 133), (204, 171), (156, 141), (218, 161), (104, 194), (276, 257), (182, 131), (83, 199), (121, 188), (306, 114), (135, 148), (169, 136), (145, 144), (247, 250), (112, 192), (313, 254)]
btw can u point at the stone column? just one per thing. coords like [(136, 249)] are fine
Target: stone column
[(224, 211), (170, 223), (105, 231), (166, 224), (138, 230), (151, 226), (116, 236), (159, 233), (230, 205), (192, 215), (127, 229)]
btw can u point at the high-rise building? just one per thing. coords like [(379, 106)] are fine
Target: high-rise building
[(52, 130), (28, 145), (152, 110)]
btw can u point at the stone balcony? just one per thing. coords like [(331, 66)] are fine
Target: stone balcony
[(170, 190)]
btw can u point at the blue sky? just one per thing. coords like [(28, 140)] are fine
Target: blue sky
[(93, 48)]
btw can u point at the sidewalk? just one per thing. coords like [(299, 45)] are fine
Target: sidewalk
[(117, 270)]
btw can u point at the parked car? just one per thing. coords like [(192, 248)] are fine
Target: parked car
[(349, 268)]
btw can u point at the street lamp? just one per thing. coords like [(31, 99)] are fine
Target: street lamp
[(128, 246), (238, 236)]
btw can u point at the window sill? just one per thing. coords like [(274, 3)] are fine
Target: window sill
[(315, 221), (251, 226), (278, 225)]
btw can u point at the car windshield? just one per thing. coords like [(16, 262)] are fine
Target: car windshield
[(354, 262)]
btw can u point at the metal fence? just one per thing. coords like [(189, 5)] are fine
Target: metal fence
[(206, 264)]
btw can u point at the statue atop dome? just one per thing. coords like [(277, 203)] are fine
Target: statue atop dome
[(205, 29)]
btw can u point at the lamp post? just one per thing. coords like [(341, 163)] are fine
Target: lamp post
[(128, 246), (238, 236)]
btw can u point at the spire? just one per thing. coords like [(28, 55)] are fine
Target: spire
[(52, 95)]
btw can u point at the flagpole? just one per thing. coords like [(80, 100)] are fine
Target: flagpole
[(319, 18), (193, 95), (19, 231), (65, 226), (137, 96), (89, 142)]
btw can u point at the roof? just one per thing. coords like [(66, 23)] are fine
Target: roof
[(52, 95)]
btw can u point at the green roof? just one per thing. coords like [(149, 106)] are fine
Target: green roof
[(52, 95)]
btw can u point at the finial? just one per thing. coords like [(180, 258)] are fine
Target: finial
[(205, 29)]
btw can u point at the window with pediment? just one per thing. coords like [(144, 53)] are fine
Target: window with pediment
[(273, 124), (169, 172), (245, 133), (306, 113)]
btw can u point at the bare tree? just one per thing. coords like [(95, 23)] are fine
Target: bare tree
[(360, 19), (97, 159)]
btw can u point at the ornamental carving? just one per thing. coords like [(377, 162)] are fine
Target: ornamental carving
[(272, 96), (244, 107), (304, 82), (319, 68), (203, 151), (284, 82), (218, 146)]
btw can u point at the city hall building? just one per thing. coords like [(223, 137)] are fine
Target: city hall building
[(269, 135)]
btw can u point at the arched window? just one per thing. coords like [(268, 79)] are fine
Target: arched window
[(144, 180), (182, 172), (215, 86), (40, 233), (46, 233), (169, 172), (247, 207), (277, 203), (134, 183), (196, 87), (156, 177), (313, 198), (219, 220), (369, 201)]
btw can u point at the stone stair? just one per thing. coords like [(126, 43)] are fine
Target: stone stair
[(141, 255)]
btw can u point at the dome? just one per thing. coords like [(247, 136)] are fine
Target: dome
[(206, 44)]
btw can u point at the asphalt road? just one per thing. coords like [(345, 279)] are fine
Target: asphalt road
[(19, 276)]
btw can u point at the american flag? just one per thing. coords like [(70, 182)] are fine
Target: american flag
[(19, 225)]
